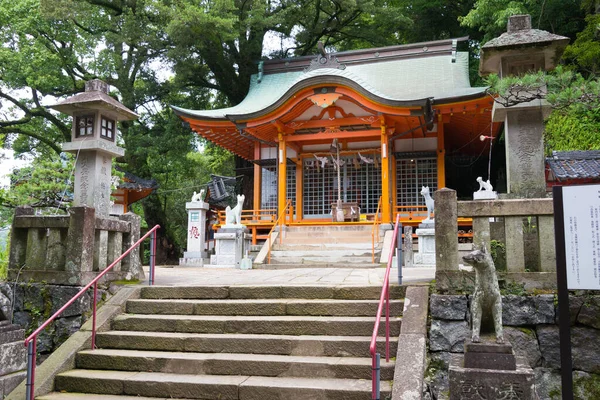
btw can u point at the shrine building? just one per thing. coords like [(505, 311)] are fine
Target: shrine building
[(392, 118)]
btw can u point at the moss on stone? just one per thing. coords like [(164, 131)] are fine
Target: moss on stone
[(587, 386)]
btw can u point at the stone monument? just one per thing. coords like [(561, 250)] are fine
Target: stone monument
[(93, 141), (520, 50), (426, 233), (232, 240), (488, 369), (196, 232), (486, 190)]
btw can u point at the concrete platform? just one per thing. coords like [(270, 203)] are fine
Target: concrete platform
[(193, 276)]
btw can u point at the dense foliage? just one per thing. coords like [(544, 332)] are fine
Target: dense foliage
[(201, 54)]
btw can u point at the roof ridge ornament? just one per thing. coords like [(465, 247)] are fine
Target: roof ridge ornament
[(324, 60)]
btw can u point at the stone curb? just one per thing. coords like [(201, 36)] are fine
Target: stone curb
[(63, 358), (412, 346)]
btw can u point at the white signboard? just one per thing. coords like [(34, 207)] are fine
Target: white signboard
[(581, 206)]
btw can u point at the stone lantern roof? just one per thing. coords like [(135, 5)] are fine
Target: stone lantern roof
[(95, 97), (521, 40)]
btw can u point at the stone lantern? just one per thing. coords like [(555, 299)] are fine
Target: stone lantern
[(93, 141), (518, 51)]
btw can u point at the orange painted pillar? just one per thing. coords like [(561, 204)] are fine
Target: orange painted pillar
[(257, 178), (441, 154), (281, 174), (299, 186), (386, 214)]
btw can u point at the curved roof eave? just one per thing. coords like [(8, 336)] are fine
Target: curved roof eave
[(321, 80)]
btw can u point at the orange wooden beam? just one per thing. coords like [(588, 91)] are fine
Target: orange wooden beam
[(330, 136)]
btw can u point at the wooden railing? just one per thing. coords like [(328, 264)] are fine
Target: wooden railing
[(280, 222), (375, 231), (250, 217)]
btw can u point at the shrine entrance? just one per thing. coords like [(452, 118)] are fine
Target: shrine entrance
[(361, 184)]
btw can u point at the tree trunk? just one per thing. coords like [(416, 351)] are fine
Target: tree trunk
[(167, 251)]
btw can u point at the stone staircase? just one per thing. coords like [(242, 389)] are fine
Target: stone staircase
[(237, 342), (326, 246)]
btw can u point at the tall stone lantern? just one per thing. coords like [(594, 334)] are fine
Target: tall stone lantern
[(93, 141), (518, 51)]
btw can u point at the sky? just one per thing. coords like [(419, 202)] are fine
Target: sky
[(7, 163)]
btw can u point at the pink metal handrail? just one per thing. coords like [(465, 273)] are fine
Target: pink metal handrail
[(385, 297), (31, 340)]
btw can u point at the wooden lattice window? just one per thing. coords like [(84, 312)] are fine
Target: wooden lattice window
[(84, 126), (107, 129)]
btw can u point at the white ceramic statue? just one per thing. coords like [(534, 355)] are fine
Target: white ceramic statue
[(198, 196), (428, 203), (484, 185), (233, 216)]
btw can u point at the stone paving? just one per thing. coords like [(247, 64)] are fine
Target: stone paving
[(196, 276)]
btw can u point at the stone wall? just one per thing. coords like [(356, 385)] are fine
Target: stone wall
[(34, 303), (530, 324)]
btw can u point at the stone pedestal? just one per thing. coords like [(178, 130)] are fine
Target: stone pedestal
[(489, 370), (426, 236), (13, 357), (196, 234), (232, 243), (485, 195)]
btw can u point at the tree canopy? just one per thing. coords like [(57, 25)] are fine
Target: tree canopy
[(201, 55)]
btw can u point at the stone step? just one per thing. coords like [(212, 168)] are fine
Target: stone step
[(261, 307), (291, 265), (94, 396), (331, 228), (343, 292), (310, 238), (316, 253), (348, 261), (277, 325), (231, 364), (154, 384), (305, 345), (320, 246)]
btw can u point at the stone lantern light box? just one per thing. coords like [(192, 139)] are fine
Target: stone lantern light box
[(93, 140)]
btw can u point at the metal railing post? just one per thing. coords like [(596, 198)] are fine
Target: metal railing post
[(152, 258), (30, 369), (94, 316), (376, 377), (399, 255)]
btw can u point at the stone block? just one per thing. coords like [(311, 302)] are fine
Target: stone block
[(585, 344), (60, 295), (414, 317), (466, 383), (13, 357), (528, 310), (515, 253), (56, 249), (131, 266), (426, 240), (589, 313), (407, 248), (489, 355), (448, 335), (450, 307), (11, 381), (14, 334), (410, 365), (114, 249), (18, 240), (37, 242), (101, 250), (80, 240), (525, 344), (481, 232), (549, 341), (446, 227)]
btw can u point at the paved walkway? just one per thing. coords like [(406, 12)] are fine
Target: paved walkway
[(194, 276)]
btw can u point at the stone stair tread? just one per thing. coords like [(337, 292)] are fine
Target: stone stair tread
[(219, 386), (266, 318), (234, 356), (259, 301), (95, 396)]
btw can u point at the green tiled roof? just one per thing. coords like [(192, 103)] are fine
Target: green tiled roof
[(401, 81)]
